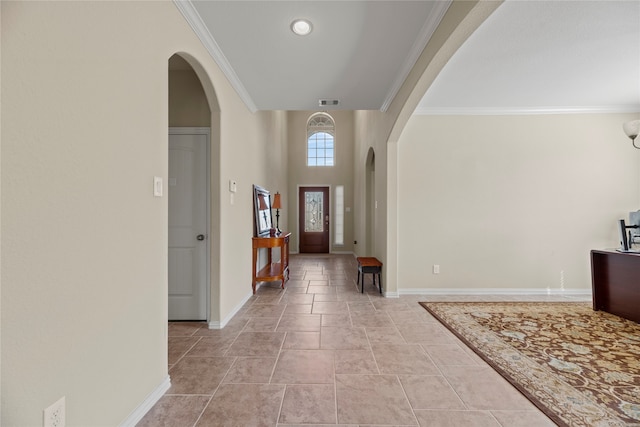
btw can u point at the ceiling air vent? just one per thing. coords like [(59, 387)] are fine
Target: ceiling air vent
[(328, 102)]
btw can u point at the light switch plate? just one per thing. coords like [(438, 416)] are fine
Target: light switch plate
[(233, 186), (157, 186)]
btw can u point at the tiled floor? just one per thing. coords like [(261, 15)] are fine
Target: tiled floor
[(321, 353)]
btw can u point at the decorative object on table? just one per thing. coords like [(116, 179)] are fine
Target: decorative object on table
[(632, 129), (579, 366), (262, 207), (277, 205)]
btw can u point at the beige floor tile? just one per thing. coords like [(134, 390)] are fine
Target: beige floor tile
[(179, 346), (456, 418), (337, 338), (262, 344), (172, 411), (386, 335), (449, 354), (320, 425), (302, 340), (251, 370), (232, 329), (299, 322), (264, 382), (361, 306), (329, 307), (484, 389), (430, 392), (325, 297), (268, 299), (404, 317), (262, 324), (372, 399), (351, 295), (314, 289), (407, 359), (315, 403), (184, 329), (522, 419), (304, 367), (198, 375), (355, 362), (386, 304), (294, 298), (265, 310), (427, 333), (298, 308), (211, 346), (370, 319), (242, 405), (297, 290), (315, 277)]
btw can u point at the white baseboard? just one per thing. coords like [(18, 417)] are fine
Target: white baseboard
[(495, 291), (146, 405), (214, 324), (391, 294)]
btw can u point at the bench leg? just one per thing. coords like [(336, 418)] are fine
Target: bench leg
[(380, 281)]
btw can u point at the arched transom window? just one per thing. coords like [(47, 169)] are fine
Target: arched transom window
[(320, 140)]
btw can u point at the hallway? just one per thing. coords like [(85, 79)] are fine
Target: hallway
[(321, 353)]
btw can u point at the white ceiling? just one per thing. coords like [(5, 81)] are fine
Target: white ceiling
[(545, 57), (529, 56), (359, 52)]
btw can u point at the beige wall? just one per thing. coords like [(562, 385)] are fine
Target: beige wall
[(302, 175), (188, 105), (513, 203), (380, 131), (84, 242)]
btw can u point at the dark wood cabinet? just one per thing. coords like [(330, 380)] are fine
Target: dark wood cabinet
[(615, 279), (272, 271)]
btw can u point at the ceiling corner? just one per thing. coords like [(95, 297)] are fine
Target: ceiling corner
[(427, 30), (200, 29)]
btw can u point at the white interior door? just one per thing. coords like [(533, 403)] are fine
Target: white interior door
[(188, 225)]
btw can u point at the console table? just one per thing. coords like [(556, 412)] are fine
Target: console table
[(616, 283), (272, 271)]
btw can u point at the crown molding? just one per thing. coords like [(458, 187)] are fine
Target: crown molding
[(427, 30), (202, 32), (518, 111)]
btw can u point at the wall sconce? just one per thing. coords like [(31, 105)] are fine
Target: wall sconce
[(632, 129), (277, 205)]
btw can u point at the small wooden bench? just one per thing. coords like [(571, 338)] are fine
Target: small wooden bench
[(370, 265)]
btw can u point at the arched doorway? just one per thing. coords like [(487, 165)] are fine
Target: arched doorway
[(192, 188)]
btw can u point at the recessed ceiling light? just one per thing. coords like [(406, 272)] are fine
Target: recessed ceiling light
[(301, 27)]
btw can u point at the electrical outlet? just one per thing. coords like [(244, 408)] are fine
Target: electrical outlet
[(436, 269), (54, 415)]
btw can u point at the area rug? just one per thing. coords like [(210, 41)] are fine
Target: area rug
[(580, 367)]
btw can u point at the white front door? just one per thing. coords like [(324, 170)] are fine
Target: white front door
[(188, 231)]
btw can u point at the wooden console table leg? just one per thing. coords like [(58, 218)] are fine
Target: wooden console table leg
[(253, 269)]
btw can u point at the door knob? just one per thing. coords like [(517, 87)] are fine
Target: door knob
[(200, 237)]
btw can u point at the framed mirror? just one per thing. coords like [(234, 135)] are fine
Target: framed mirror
[(262, 208)]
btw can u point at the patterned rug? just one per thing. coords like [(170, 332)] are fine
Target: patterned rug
[(580, 367)]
